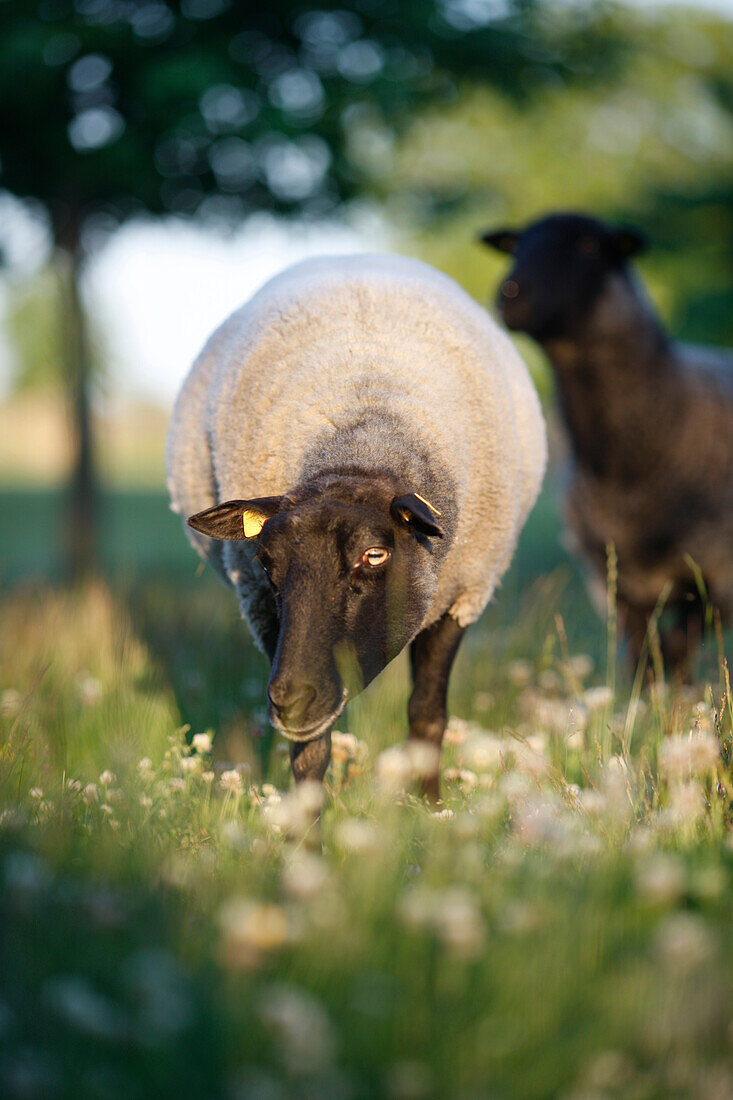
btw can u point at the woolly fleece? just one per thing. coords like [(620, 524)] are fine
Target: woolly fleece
[(374, 361)]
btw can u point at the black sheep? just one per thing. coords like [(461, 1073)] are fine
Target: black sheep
[(650, 422)]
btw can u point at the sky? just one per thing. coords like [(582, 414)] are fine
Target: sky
[(158, 289)]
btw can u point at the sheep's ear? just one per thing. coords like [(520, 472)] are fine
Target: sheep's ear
[(627, 242), (416, 513), (503, 240), (236, 519)]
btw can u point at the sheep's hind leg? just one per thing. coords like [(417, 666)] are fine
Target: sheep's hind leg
[(431, 656)]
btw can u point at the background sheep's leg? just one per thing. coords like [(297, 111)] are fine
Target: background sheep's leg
[(431, 656), (634, 623), (681, 639)]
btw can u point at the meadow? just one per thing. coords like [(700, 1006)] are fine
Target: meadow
[(559, 927)]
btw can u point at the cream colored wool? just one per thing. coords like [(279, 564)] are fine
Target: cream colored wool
[(379, 362)]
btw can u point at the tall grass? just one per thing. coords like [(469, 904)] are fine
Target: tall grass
[(560, 928)]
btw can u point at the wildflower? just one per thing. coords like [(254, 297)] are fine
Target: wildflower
[(549, 680), (145, 768), (399, 767), (269, 790), (581, 665), (250, 929), (684, 941), (107, 778), (106, 809), (463, 776), (456, 731), (73, 786), (443, 815), (346, 747), (519, 673), (482, 751), (176, 783), (660, 878), (90, 793), (305, 876), (190, 764), (529, 756), (146, 801), (687, 802), (208, 777), (694, 753), (296, 812), (300, 1026), (36, 794), (89, 688), (451, 914), (201, 743), (10, 703), (596, 698), (231, 781), (359, 836)]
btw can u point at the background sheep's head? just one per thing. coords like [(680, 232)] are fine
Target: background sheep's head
[(351, 572), (561, 266)]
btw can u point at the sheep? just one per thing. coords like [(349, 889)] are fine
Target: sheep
[(356, 450), (650, 422)]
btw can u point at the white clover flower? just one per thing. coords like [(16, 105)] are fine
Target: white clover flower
[(106, 809), (597, 698), (684, 941), (176, 783), (443, 815), (519, 673), (482, 751), (359, 836), (208, 777), (145, 767), (305, 876), (687, 801), (146, 801), (456, 731), (345, 747), (107, 778), (459, 923), (89, 688), (36, 794), (581, 665), (463, 776), (529, 756), (393, 770), (90, 793), (190, 764), (10, 703), (300, 1026), (231, 781), (549, 680), (74, 786), (693, 753), (251, 929), (201, 743), (295, 813), (660, 877)]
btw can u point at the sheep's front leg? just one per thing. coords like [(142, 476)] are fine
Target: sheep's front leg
[(310, 759), (431, 655)]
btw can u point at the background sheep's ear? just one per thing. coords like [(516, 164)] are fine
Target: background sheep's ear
[(236, 519), (413, 511), (504, 240), (627, 242)]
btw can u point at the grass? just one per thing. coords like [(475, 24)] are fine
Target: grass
[(561, 929)]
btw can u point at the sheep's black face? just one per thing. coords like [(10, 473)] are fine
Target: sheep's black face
[(561, 265), (349, 584)]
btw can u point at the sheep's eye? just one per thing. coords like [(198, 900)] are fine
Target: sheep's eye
[(376, 555)]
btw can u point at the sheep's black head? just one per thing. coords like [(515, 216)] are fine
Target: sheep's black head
[(561, 265), (350, 577)]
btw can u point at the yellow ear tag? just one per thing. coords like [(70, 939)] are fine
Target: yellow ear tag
[(252, 523), (432, 507)]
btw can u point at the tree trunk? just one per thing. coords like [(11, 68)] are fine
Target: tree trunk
[(81, 518)]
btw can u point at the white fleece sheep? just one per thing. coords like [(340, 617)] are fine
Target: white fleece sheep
[(375, 362)]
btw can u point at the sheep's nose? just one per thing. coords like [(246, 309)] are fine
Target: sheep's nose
[(291, 700), (510, 288)]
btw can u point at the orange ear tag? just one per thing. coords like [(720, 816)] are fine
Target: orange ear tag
[(432, 507), (252, 523)]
